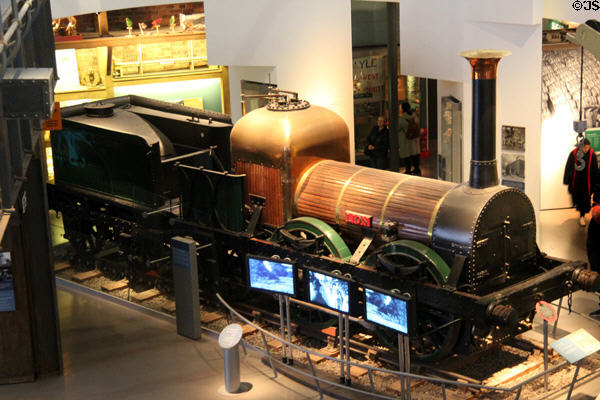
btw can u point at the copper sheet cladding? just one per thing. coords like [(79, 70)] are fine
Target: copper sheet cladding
[(266, 182), (331, 188)]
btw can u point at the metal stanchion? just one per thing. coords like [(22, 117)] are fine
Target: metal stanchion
[(289, 330), (546, 355), (401, 363), (341, 345), (281, 324), (407, 364), (347, 333), (574, 380), (557, 317)]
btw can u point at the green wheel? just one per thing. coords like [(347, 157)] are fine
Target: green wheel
[(309, 227), (433, 340)]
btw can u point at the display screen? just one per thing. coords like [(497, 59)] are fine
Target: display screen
[(329, 291), (386, 310), (271, 275)]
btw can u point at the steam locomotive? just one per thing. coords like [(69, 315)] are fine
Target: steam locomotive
[(130, 173)]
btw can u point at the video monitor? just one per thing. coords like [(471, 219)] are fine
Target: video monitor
[(387, 309), (272, 275), (329, 290)]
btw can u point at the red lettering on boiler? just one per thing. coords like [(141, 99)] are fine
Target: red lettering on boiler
[(359, 219)]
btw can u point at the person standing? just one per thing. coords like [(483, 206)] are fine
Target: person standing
[(379, 144), (409, 147), (581, 184), (593, 246)]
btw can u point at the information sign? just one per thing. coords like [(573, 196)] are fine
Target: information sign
[(576, 346), (230, 336)]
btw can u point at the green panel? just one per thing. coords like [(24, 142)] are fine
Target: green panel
[(208, 89), (593, 135), (119, 165), (212, 197)]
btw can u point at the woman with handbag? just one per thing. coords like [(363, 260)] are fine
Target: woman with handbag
[(409, 147)]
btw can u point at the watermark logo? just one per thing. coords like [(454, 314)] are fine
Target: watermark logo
[(587, 5)]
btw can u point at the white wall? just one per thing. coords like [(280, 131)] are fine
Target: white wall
[(307, 42), (65, 8), (432, 33)]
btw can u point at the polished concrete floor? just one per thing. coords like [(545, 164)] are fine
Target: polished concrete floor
[(114, 352)]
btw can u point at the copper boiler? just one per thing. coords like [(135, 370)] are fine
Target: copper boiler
[(273, 145)]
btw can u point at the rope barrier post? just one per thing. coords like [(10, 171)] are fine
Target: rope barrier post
[(443, 391), (264, 339), (407, 364), (341, 346), (312, 369), (574, 380), (281, 324), (371, 380), (557, 317), (519, 393), (289, 330)]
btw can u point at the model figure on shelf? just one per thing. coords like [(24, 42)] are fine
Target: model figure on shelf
[(142, 26), (129, 24), (72, 26), (156, 24), (172, 23), (55, 26)]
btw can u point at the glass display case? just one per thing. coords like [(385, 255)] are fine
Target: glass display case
[(450, 141), (148, 59)]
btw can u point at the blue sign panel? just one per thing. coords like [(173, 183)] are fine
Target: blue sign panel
[(180, 254), (7, 293)]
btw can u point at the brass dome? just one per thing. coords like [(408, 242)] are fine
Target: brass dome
[(274, 147)]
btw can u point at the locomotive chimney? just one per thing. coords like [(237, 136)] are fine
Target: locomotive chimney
[(484, 64)]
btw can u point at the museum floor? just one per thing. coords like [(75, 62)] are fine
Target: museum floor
[(115, 352)]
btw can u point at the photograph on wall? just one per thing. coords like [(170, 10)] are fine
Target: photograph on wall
[(513, 167), (7, 293), (514, 184), (513, 138)]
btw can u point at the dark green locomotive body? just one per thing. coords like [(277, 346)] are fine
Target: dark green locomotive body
[(90, 156)]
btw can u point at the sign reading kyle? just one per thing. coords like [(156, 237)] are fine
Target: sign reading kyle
[(359, 219)]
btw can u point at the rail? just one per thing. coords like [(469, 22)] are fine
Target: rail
[(443, 383)]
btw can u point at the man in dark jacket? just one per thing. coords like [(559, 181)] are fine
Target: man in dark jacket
[(379, 144), (581, 183)]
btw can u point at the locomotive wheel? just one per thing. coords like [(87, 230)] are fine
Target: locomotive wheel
[(310, 228), (430, 342)]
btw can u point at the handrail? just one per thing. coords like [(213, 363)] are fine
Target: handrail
[(440, 381), (517, 389)]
